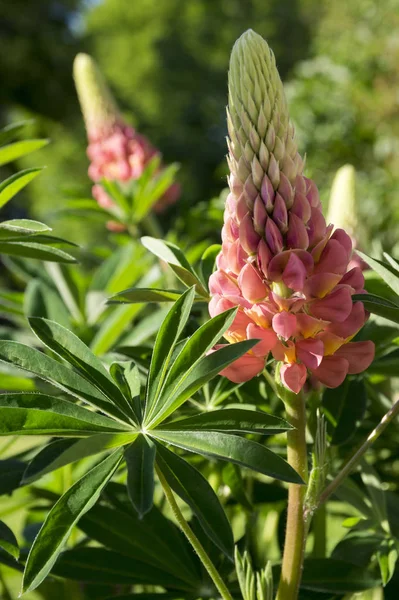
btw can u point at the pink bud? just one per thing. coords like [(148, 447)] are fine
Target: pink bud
[(274, 238), (260, 216), (284, 324), (285, 190), (301, 207), (300, 184), (293, 377), (280, 216), (267, 193), (343, 238), (264, 256), (297, 236), (294, 274), (312, 193), (252, 287), (249, 239), (316, 227)]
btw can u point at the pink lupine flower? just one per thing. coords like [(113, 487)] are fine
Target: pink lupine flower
[(281, 265), (115, 150)]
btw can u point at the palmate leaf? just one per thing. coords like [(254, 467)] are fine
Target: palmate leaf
[(140, 457), (387, 272), (194, 489), (8, 541), (232, 448), (69, 347), (340, 577), (379, 306), (127, 376), (137, 295), (60, 521), (167, 337), (21, 227), (16, 150), (204, 370), (50, 370), (39, 414)]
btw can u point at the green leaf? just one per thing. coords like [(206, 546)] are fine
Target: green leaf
[(385, 271), (336, 576), (167, 337), (36, 250), (379, 306), (194, 489), (127, 376), (133, 295), (151, 188), (156, 540), (113, 327), (231, 448), (16, 150), (114, 191), (387, 556), (38, 414), (176, 260), (205, 369), (64, 515), (231, 475), (376, 494), (191, 353), (69, 347), (345, 407), (50, 370), (140, 457), (208, 261), (232, 420), (9, 132), (18, 227), (101, 566), (14, 184), (8, 541), (66, 451), (41, 300)]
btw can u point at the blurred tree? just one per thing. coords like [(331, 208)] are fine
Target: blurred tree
[(345, 105)]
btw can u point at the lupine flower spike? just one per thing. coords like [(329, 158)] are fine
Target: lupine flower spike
[(116, 151), (280, 263)]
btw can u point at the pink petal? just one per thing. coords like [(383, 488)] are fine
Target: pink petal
[(337, 306), (264, 257), (309, 326), (359, 355), (332, 371), (293, 377), (221, 283), (267, 336), (310, 352), (294, 274), (343, 238), (321, 284), (354, 278), (284, 324), (252, 286), (352, 324), (244, 368)]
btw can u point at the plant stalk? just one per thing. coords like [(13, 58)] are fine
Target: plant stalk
[(295, 537), (192, 538), (352, 462)]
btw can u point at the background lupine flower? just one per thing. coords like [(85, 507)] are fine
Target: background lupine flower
[(342, 208), (280, 263), (116, 151)]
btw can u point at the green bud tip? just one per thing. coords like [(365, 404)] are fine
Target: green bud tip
[(342, 211), (98, 106)]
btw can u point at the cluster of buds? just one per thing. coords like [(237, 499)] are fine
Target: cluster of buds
[(280, 264), (115, 150)]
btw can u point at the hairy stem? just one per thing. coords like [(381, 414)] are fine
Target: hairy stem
[(355, 459), (295, 537), (192, 538)]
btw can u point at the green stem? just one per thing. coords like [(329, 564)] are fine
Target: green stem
[(192, 538), (352, 462), (295, 537), (319, 533)]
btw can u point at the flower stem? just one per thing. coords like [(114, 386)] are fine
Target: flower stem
[(352, 462), (192, 538), (295, 537)]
